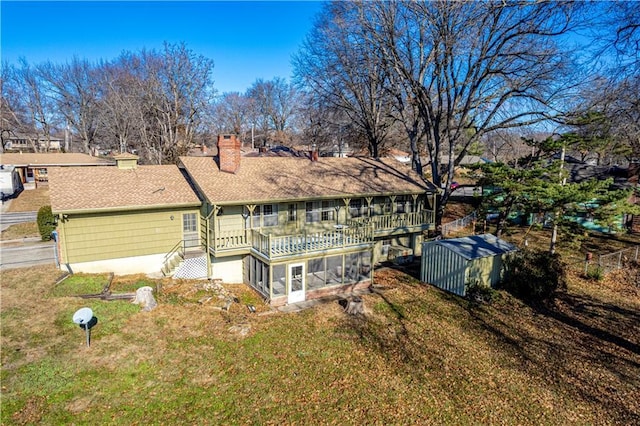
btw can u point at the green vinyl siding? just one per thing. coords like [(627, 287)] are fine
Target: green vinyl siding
[(92, 237), (230, 218)]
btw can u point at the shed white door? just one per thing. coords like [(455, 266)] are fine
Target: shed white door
[(296, 283)]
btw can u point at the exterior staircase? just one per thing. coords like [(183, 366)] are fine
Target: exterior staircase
[(193, 266), (185, 263)]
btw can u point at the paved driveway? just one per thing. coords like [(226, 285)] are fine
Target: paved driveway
[(26, 253), (8, 219)]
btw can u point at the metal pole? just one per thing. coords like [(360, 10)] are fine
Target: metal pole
[(86, 329)]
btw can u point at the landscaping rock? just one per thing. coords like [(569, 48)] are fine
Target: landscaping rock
[(144, 298)]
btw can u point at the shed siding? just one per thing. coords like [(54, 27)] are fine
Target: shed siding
[(444, 268), (489, 270), (91, 237)]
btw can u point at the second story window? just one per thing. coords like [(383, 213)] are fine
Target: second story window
[(328, 212), (264, 215), (312, 213), (292, 213), (357, 208), (404, 204), (269, 215), (319, 211)]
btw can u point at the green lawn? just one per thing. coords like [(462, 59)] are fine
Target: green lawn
[(418, 356)]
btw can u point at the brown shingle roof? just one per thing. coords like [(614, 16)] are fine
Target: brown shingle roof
[(278, 179), (110, 188), (52, 159)]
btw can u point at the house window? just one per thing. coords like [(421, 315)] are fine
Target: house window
[(316, 212), (265, 215), (312, 215), (258, 275), (386, 206), (328, 212), (269, 215), (292, 214), (255, 218), (189, 223), (190, 230), (357, 208), (404, 204)]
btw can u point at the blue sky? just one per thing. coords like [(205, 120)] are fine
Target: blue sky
[(246, 40)]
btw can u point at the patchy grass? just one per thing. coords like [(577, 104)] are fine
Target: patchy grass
[(78, 284), (130, 283), (20, 230), (418, 355), (30, 200)]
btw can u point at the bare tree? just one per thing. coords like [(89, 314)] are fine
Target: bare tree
[(275, 103), (622, 33), (12, 112), (613, 92), (341, 71), (232, 113), (178, 88), (75, 86), (120, 103), (32, 98), (471, 68)]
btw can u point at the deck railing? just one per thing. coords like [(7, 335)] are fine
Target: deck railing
[(354, 232), (389, 222), (232, 239), (274, 246)]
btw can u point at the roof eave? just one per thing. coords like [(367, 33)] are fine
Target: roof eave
[(303, 199), (126, 208)]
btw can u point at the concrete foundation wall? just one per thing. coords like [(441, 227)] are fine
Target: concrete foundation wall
[(150, 264)]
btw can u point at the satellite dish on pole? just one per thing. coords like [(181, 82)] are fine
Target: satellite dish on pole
[(83, 316), (85, 319)]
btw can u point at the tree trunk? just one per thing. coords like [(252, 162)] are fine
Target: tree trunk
[(554, 238), (355, 306)]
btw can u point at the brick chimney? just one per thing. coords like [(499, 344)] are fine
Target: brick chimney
[(313, 154), (228, 153)]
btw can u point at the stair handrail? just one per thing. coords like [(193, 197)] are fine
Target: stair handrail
[(178, 248)]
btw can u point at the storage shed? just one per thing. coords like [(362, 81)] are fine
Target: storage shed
[(456, 263)]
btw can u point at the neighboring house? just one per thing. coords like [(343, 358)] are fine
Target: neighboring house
[(34, 167), (455, 264), (472, 160), (125, 219), (25, 143), (300, 228)]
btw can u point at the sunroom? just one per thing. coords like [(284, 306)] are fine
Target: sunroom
[(293, 280)]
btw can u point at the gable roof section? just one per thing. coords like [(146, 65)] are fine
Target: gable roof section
[(274, 179), (477, 246), (85, 189), (52, 159)]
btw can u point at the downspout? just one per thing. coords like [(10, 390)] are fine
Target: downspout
[(208, 220), (62, 236)]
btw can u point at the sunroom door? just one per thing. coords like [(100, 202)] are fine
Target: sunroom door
[(296, 283)]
